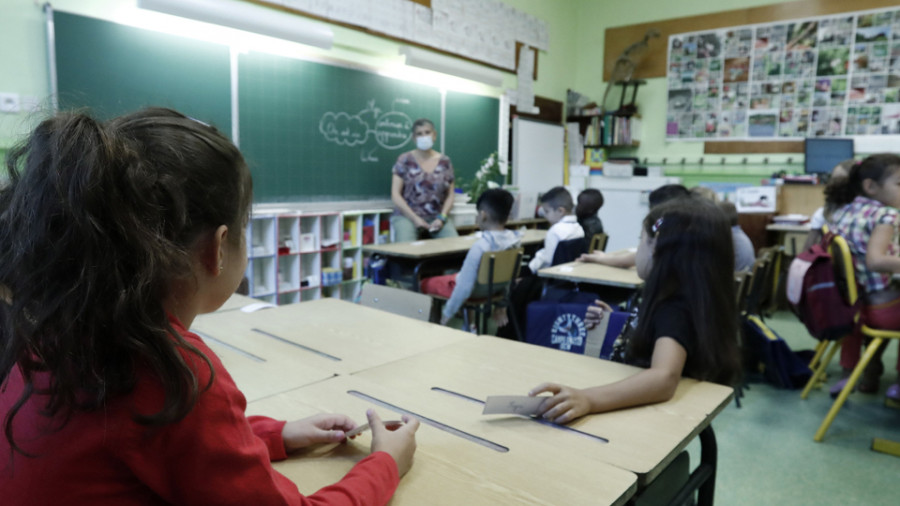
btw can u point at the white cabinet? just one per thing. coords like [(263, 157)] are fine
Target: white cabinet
[(360, 228), (625, 204)]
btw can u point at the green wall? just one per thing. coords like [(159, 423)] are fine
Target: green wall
[(594, 17), (574, 60)]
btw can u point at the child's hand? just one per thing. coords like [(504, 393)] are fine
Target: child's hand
[(400, 443), (596, 257), (321, 428), (566, 405), (595, 313), (500, 316)]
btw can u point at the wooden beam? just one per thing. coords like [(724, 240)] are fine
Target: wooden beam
[(617, 39)]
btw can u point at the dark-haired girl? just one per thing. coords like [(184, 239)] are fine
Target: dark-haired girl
[(687, 324), (114, 236), (868, 220)]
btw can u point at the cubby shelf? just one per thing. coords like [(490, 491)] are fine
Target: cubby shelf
[(289, 251)]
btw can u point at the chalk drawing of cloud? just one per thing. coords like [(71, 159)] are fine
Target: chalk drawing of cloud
[(343, 129)]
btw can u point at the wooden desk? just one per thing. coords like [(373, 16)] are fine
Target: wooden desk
[(327, 334), (448, 246), (438, 254), (643, 440), (511, 224), (448, 469), (790, 236), (237, 301), (586, 272)]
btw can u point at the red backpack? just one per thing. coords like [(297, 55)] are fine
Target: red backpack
[(814, 295)]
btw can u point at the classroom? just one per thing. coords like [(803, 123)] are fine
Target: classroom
[(749, 102)]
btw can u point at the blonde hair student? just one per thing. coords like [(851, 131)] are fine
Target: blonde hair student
[(114, 236), (687, 322)]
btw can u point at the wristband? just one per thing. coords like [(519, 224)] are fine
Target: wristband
[(442, 217)]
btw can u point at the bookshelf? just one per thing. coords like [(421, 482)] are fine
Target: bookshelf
[(609, 130), (296, 256), (372, 226), (289, 252)]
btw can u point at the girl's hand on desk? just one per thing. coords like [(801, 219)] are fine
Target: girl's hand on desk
[(566, 405), (595, 313), (321, 428), (596, 257), (399, 443)]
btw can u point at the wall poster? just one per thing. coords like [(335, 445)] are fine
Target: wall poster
[(834, 75)]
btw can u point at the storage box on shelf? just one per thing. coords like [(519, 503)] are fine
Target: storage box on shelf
[(360, 228)]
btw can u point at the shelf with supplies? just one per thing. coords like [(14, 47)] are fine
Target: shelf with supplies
[(369, 226), (609, 130)]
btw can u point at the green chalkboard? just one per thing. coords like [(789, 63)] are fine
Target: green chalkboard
[(323, 132), (471, 131), (114, 69)]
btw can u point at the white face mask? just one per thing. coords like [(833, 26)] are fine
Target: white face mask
[(424, 142)]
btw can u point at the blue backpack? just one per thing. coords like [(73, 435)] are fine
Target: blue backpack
[(560, 325)]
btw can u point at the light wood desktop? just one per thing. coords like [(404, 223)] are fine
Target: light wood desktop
[(592, 273), (237, 301), (449, 468), (447, 246), (330, 334), (643, 440)]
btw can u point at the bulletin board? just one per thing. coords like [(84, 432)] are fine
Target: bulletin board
[(835, 75)]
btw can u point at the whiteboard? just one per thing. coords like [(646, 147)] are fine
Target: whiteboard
[(537, 160)]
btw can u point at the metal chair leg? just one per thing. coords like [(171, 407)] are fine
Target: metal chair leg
[(820, 350), (819, 372), (871, 349)]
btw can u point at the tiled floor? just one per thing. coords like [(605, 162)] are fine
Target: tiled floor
[(766, 450)]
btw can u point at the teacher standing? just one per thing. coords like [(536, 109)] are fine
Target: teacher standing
[(422, 189)]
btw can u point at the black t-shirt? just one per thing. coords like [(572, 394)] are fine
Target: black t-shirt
[(672, 319)]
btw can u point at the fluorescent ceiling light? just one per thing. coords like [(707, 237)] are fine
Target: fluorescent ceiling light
[(247, 17), (447, 65)]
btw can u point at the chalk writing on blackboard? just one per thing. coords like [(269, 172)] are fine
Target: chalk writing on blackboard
[(390, 130)]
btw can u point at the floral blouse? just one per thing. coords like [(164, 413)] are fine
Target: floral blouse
[(424, 192)]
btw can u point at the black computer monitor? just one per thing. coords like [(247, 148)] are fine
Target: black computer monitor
[(822, 154)]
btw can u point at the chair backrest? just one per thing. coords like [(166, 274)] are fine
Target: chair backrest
[(598, 242), (394, 300), (505, 267), (569, 251), (755, 285), (844, 271)]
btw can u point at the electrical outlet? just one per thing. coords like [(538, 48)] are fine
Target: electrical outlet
[(9, 102)]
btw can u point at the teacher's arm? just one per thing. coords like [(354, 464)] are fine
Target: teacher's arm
[(400, 202), (438, 223)]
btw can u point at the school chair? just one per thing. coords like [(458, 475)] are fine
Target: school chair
[(845, 278), (598, 242), (568, 251), (397, 301), (496, 271)]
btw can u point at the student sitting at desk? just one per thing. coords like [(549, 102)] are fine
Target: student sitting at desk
[(114, 237), (589, 203), (556, 206), (868, 218), (493, 208), (744, 256), (625, 259), (822, 216), (688, 321)]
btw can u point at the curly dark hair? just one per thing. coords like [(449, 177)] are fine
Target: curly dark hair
[(96, 221), (842, 190)]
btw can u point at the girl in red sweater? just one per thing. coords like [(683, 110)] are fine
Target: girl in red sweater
[(114, 236)]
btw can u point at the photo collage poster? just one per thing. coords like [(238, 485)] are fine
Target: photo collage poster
[(833, 76)]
